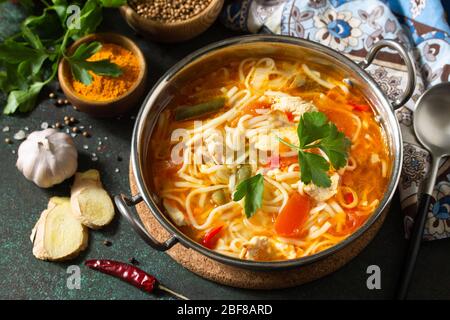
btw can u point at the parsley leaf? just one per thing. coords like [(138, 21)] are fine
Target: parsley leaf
[(312, 127), (252, 189), (313, 168), (86, 50), (80, 66), (335, 146), (316, 132), (23, 100)]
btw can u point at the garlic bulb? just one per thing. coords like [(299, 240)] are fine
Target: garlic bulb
[(47, 157)]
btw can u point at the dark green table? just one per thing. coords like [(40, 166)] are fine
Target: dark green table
[(21, 202)]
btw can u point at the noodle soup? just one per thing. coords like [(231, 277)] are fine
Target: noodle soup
[(231, 173)]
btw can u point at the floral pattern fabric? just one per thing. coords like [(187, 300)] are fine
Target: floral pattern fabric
[(353, 27)]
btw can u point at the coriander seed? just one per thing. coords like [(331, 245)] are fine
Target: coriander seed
[(169, 11)]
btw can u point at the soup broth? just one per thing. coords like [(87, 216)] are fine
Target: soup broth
[(225, 127)]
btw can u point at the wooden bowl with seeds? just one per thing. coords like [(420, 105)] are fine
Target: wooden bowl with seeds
[(166, 26), (105, 107)]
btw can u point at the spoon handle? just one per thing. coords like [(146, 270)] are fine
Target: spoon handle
[(416, 235), (413, 246)]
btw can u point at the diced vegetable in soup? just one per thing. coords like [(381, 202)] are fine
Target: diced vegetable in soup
[(269, 159)]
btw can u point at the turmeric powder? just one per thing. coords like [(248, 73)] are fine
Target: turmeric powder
[(105, 88)]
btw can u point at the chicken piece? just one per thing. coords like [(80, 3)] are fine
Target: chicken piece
[(214, 146), (261, 248), (175, 214), (288, 250), (321, 194), (270, 142), (296, 105), (374, 158)]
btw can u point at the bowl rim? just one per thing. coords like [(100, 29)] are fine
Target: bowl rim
[(144, 192), (176, 23), (100, 36)]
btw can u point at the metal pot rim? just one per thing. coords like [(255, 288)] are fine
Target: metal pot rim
[(261, 265)]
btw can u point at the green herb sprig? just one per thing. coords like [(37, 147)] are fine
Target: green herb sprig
[(252, 189), (80, 66), (29, 59), (316, 132)]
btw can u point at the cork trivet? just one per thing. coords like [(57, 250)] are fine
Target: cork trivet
[(245, 278)]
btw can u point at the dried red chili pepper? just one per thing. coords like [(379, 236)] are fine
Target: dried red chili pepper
[(209, 238), (131, 274)]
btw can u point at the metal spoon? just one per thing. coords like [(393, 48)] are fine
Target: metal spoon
[(432, 128)]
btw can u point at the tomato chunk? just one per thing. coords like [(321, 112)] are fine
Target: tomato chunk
[(348, 197), (251, 108), (290, 116), (360, 107), (287, 161), (293, 216)]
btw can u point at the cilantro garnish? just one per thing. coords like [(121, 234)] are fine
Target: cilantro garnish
[(252, 189), (316, 132)]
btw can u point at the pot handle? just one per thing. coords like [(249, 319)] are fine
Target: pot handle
[(123, 204), (410, 66)]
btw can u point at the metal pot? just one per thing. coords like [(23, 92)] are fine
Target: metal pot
[(260, 45)]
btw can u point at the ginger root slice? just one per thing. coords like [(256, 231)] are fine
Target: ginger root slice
[(58, 235), (90, 203)]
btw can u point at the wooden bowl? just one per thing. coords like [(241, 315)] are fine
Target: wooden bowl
[(108, 108), (176, 31)]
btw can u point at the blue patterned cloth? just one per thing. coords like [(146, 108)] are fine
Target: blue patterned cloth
[(352, 27)]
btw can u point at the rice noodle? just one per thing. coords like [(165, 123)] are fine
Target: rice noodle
[(316, 78)]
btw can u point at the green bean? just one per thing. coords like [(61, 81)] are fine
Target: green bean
[(190, 112), (243, 173), (218, 197)]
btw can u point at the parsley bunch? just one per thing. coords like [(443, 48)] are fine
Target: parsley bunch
[(29, 60)]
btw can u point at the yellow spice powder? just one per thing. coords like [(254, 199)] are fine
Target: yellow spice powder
[(105, 88)]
